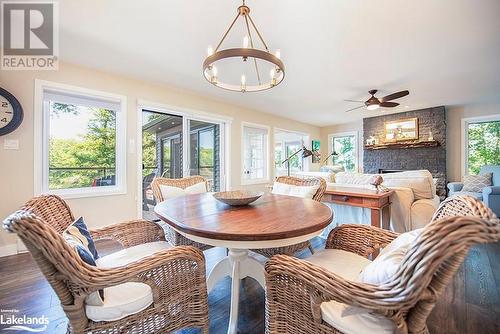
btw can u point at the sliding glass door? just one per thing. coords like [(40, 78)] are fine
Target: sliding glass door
[(204, 152), (176, 146)]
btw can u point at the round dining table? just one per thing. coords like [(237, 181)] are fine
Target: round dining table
[(271, 221)]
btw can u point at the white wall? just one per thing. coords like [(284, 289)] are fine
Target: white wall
[(16, 166)]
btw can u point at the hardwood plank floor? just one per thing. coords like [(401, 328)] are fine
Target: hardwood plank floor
[(471, 304)]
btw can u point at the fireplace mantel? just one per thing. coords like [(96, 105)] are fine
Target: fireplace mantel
[(402, 145)]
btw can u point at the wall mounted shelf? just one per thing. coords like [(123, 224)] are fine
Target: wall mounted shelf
[(403, 145)]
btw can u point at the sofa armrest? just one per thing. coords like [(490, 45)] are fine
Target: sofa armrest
[(455, 186), (491, 197), (491, 190), (422, 211)]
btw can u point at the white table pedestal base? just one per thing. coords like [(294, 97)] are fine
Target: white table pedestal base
[(236, 265)]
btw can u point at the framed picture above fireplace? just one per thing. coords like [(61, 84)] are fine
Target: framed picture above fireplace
[(401, 130)]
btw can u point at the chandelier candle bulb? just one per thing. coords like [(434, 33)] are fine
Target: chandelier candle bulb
[(273, 77), (243, 83), (210, 51), (245, 42), (278, 54)]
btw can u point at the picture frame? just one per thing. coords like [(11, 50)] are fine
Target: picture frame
[(401, 130)]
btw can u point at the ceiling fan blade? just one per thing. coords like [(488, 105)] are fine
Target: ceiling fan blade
[(354, 101), (354, 108), (389, 104), (394, 96)]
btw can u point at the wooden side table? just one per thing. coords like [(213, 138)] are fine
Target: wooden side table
[(377, 201)]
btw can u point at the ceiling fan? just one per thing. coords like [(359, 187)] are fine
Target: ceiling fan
[(374, 103)]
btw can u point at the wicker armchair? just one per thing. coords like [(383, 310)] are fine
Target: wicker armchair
[(172, 236), (297, 288), (176, 275), (292, 249)]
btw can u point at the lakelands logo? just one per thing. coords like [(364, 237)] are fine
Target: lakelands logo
[(30, 35), (11, 320)]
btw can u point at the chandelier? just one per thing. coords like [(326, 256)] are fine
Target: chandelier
[(249, 54)]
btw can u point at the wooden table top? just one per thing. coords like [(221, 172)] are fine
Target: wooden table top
[(271, 217), (358, 192)]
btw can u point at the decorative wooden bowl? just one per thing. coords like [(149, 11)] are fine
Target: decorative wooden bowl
[(238, 197)]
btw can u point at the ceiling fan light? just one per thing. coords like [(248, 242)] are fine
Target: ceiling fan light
[(372, 107)]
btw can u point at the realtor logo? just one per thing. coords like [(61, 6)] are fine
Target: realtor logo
[(29, 35)]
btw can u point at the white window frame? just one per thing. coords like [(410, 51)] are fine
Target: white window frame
[(464, 140), (41, 141), (357, 148), (187, 114), (267, 154), (306, 138)]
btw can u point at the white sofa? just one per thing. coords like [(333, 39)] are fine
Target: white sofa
[(413, 203)]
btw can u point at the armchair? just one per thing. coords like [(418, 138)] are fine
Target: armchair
[(172, 236), (303, 297), (174, 278), (490, 195)]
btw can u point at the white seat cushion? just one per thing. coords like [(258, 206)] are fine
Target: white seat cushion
[(168, 192), (348, 319), (345, 264), (355, 320), (292, 190), (121, 301), (129, 298), (129, 255)]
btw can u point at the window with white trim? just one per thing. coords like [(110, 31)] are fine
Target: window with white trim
[(345, 145), (482, 142), (255, 154), (83, 149)]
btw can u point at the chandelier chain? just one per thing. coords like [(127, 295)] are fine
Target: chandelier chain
[(258, 33), (251, 44), (227, 32)]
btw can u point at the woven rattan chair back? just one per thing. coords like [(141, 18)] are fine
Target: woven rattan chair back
[(430, 264), (313, 181), (178, 183), (172, 236), (45, 242), (52, 209)]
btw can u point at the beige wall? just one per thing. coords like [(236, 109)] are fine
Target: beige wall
[(454, 116), (16, 166)]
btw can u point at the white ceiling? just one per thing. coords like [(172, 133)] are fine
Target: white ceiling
[(445, 52)]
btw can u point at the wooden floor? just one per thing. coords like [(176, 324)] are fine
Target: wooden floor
[(470, 305)]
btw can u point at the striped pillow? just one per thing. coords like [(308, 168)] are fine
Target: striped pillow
[(78, 237)]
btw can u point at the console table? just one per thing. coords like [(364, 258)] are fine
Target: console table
[(377, 201)]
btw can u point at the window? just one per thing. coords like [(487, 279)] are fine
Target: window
[(83, 140), (255, 154), (482, 142), (346, 147), (286, 143)]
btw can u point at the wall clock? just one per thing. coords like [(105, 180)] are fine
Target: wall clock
[(11, 112)]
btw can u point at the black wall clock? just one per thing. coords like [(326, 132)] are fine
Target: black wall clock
[(11, 112)]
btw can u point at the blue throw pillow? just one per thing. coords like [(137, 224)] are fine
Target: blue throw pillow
[(79, 232), (78, 236)]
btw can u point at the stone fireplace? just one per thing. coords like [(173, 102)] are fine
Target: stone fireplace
[(393, 158)]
